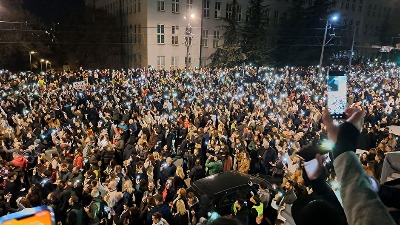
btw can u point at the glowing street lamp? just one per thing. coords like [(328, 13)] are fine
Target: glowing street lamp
[(41, 65), (30, 58), (333, 19), (47, 62)]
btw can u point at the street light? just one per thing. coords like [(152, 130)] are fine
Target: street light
[(188, 39), (41, 65), (30, 58), (47, 62), (333, 18)]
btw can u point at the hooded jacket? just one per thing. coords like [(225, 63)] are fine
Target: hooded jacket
[(20, 161)]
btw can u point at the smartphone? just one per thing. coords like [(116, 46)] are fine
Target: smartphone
[(337, 94), (38, 215)]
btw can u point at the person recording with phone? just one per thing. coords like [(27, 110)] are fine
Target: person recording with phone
[(361, 203), (22, 203)]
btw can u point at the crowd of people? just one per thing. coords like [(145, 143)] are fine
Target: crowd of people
[(102, 146)]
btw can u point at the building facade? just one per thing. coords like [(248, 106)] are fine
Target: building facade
[(363, 20), (178, 33)]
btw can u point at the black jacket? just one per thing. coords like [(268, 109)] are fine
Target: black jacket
[(75, 215), (128, 151), (197, 172), (179, 219), (243, 216), (166, 172)]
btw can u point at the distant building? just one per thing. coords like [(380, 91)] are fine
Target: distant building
[(158, 32), (364, 19)]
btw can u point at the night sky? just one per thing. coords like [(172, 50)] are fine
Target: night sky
[(53, 10)]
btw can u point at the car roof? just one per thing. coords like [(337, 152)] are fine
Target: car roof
[(218, 183)]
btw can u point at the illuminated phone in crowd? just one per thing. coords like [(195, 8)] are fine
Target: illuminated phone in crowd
[(41, 215), (337, 94)]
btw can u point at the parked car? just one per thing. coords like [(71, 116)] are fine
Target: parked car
[(225, 188)]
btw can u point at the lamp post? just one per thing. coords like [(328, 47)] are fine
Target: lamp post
[(334, 18), (41, 65), (30, 58), (47, 62), (188, 39)]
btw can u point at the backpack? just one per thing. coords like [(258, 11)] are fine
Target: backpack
[(103, 212)]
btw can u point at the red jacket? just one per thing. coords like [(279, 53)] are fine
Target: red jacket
[(78, 162), (20, 161)]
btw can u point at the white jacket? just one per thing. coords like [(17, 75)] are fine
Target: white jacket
[(361, 203)]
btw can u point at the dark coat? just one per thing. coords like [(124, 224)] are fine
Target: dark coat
[(179, 182), (197, 172), (166, 172), (128, 151), (163, 209), (179, 219), (75, 215)]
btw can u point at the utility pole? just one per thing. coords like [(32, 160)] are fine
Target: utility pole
[(352, 46), (188, 43), (201, 36), (321, 58), (334, 18)]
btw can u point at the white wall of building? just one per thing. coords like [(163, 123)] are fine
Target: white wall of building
[(139, 26), (172, 54)]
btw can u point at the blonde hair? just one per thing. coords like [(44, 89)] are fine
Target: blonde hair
[(156, 156), (182, 192), (128, 186), (180, 173), (43, 157), (180, 207)]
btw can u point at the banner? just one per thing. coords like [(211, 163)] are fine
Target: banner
[(79, 85), (386, 49)]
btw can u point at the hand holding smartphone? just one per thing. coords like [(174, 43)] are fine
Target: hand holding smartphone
[(337, 94), (38, 215)]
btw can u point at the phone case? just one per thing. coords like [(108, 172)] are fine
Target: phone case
[(21, 216)]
